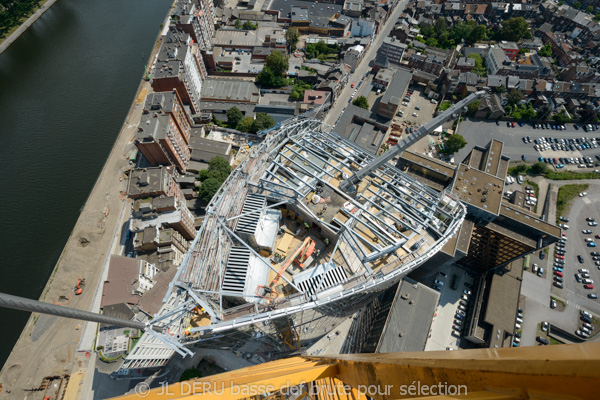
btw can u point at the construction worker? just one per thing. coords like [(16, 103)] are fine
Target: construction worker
[(306, 225), (326, 241)]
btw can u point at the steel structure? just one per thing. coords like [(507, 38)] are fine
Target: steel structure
[(285, 190), (541, 372), (349, 185)]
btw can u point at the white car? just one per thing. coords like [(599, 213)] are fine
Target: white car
[(415, 114), (544, 326), (582, 194)]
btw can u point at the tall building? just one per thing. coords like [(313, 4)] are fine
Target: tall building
[(180, 66), (393, 49), (164, 130), (196, 18)]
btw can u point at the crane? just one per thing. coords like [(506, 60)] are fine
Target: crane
[(350, 185)]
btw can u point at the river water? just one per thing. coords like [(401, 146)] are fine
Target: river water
[(66, 86)]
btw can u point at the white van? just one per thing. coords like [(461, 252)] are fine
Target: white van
[(517, 326)]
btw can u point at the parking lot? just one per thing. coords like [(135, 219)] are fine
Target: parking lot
[(441, 336), (481, 132), (576, 245), (419, 109)]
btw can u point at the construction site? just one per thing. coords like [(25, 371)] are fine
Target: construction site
[(305, 231)]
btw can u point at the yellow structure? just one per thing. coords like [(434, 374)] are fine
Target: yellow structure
[(542, 372)]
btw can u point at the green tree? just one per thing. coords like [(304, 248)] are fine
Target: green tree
[(478, 33), (589, 10), (440, 26), (539, 168), (577, 5), (514, 96), (219, 164), (473, 107), (515, 29), (546, 51), (250, 26), (597, 17), (561, 118), (238, 24), (191, 373), (462, 31), (431, 42), (261, 122), (209, 188), (528, 113), (362, 102), (203, 175), (245, 124), (234, 116), (500, 89), (292, 35), (445, 105), (278, 63), (295, 95), (454, 143)]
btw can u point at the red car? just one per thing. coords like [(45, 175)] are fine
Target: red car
[(588, 286), (513, 124), (558, 273), (597, 236), (560, 257)]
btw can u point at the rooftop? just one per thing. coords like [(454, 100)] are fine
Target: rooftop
[(230, 90), (409, 320)]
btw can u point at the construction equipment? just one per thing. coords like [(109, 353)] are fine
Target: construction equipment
[(79, 287), (350, 185), (303, 247), (305, 252)]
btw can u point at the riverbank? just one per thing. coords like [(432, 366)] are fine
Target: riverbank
[(5, 43), (49, 346)]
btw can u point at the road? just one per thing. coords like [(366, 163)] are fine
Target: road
[(342, 100)]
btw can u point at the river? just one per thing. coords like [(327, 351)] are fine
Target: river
[(66, 86)]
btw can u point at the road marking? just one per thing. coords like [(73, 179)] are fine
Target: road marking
[(587, 201)]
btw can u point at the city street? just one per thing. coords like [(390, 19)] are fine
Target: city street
[(364, 67)]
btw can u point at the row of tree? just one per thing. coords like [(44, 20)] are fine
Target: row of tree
[(442, 36), (12, 13), (236, 120)]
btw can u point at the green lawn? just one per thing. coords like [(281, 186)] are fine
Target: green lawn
[(567, 193)]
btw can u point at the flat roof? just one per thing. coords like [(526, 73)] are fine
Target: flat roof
[(527, 218), (148, 180), (230, 90), (478, 188), (503, 300), (464, 236), (209, 145), (398, 85), (315, 9), (409, 319), (429, 162)]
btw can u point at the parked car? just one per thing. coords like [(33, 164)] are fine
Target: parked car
[(552, 303), (542, 340)]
